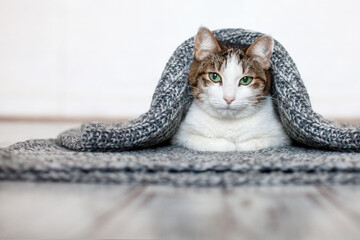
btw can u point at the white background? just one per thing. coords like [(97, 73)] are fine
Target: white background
[(103, 58)]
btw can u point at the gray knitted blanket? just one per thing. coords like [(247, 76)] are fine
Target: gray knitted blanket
[(172, 99), (137, 151)]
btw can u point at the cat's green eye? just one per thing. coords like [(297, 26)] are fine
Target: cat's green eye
[(215, 77), (246, 80)]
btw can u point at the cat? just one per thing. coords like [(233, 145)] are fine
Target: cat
[(231, 108)]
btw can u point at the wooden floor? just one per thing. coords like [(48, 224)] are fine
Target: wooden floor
[(83, 211)]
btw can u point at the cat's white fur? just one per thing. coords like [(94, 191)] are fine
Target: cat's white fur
[(212, 124)]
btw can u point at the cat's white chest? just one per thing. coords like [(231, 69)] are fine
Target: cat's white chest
[(203, 132), (199, 122)]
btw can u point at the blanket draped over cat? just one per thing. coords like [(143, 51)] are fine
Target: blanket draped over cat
[(172, 99)]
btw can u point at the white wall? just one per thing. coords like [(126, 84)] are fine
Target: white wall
[(104, 58)]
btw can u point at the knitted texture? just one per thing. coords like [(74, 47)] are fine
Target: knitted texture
[(46, 160), (172, 99)]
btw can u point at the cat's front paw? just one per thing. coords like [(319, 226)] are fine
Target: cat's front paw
[(257, 144), (201, 143), (217, 145)]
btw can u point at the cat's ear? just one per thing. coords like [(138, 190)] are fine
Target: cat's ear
[(205, 44), (262, 48)]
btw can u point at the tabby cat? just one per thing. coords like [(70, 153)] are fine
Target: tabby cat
[(232, 109)]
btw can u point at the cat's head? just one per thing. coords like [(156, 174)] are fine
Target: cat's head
[(228, 80)]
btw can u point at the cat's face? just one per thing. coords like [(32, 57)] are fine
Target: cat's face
[(230, 81)]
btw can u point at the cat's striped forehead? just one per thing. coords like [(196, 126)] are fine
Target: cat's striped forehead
[(232, 68), (218, 62)]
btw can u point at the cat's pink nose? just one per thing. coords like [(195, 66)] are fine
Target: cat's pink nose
[(229, 100)]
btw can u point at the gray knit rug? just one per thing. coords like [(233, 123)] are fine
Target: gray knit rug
[(137, 151), (46, 160)]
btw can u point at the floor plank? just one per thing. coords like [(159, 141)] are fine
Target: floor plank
[(56, 210), (345, 199), (59, 210)]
